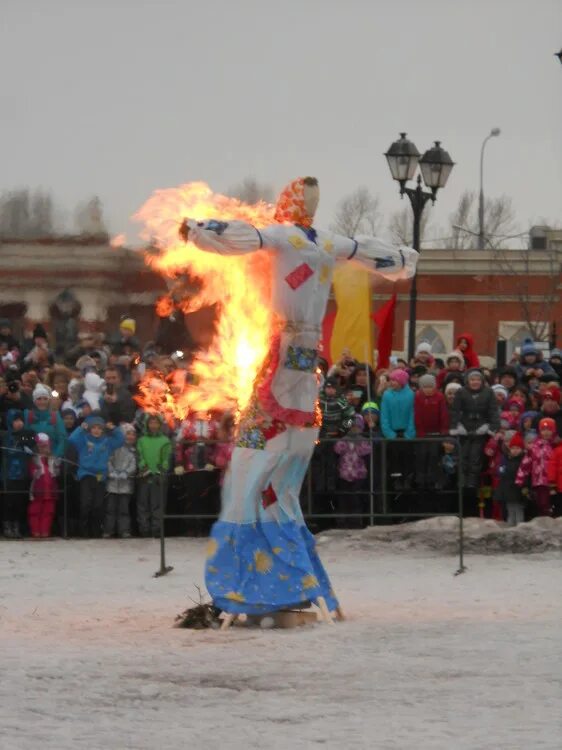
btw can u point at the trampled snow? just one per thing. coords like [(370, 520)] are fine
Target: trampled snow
[(89, 658)]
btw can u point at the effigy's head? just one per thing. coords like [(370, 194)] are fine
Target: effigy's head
[(298, 202)]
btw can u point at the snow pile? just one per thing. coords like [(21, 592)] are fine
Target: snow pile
[(480, 535)]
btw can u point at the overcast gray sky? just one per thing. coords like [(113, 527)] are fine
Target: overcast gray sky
[(120, 98)]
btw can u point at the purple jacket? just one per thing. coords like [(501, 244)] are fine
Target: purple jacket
[(351, 466)]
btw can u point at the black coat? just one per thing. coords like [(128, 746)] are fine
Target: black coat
[(473, 409), (507, 491)]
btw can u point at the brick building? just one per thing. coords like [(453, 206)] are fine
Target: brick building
[(492, 294)]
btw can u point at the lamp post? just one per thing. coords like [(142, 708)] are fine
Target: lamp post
[(481, 239), (435, 166)]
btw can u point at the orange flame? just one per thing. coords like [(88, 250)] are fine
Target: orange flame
[(221, 377)]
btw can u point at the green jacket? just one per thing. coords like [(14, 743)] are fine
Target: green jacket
[(154, 453)]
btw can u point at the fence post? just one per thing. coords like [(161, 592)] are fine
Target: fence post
[(65, 500), (163, 499), (460, 478)]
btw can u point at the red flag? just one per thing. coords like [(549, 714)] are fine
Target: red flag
[(384, 319)]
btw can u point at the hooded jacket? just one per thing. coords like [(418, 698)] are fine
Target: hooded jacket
[(94, 452), (470, 357), (154, 450), (397, 413), (44, 420), (529, 347), (473, 409), (121, 470)]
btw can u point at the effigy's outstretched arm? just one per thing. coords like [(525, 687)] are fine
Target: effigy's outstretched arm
[(222, 237), (393, 262)]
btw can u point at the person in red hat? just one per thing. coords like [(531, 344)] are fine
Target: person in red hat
[(555, 479), (550, 407), (536, 466), (508, 493)]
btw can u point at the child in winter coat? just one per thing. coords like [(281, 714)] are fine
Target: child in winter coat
[(431, 418), (154, 451), (94, 447), (536, 466), (43, 493), (19, 444), (555, 479), (496, 450), (397, 421), (474, 414), (42, 419), (507, 491), (352, 469), (121, 472), (453, 370)]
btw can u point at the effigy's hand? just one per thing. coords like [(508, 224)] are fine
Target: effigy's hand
[(184, 230)]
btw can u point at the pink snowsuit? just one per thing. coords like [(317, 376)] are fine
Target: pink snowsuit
[(535, 464), (43, 495)]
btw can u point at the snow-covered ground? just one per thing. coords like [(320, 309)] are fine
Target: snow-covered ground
[(426, 660)]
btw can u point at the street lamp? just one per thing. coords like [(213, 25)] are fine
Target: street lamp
[(481, 240), (435, 166)]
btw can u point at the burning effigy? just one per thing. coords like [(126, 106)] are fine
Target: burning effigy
[(268, 270)]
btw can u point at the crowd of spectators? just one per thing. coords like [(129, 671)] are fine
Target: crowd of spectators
[(80, 456), (497, 430)]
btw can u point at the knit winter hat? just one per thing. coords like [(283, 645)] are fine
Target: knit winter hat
[(370, 407), (528, 347), (94, 419), (330, 383), (129, 324), (452, 388), (41, 391), (42, 438), (508, 370), (455, 355), (554, 354), (400, 376), (423, 347), (498, 388), (39, 332), (517, 441), (5, 323), (474, 371), (126, 427), (428, 380), (547, 424), (529, 415), (516, 401), (552, 393), (507, 420)]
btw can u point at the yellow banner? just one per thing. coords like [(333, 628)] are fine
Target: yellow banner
[(353, 327)]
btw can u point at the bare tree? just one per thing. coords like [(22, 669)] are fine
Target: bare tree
[(26, 215), (251, 191), (537, 306), (401, 225), (499, 222), (357, 213)]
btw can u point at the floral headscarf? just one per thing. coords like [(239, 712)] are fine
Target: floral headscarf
[(290, 207)]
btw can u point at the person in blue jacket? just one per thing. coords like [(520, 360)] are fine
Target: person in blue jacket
[(397, 421), (42, 419), (94, 442), (17, 448)]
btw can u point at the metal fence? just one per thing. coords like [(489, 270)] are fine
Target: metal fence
[(378, 499)]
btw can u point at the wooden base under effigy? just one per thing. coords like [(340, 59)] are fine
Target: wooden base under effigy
[(285, 618)]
